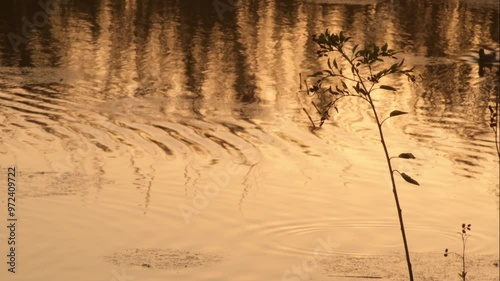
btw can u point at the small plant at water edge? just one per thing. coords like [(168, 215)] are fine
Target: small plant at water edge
[(464, 235)]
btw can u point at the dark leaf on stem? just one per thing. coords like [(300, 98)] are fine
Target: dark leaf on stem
[(397, 112), (329, 72), (406, 156), (332, 91), (354, 49), (319, 73), (385, 87), (409, 179), (384, 48)]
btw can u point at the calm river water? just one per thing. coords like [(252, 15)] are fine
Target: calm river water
[(165, 140)]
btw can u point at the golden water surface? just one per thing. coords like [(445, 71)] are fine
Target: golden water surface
[(165, 140)]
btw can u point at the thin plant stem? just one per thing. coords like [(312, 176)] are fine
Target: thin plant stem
[(310, 119), (389, 166), (394, 189), (464, 240)]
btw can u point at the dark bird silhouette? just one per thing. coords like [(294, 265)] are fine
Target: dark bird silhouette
[(486, 58), (485, 61)]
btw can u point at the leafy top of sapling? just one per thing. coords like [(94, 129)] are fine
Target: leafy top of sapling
[(370, 54)]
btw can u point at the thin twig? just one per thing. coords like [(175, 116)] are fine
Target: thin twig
[(317, 109), (309, 116)]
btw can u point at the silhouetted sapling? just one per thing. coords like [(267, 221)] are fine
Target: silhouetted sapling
[(363, 75)]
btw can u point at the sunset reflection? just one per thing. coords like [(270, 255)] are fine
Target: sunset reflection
[(168, 140)]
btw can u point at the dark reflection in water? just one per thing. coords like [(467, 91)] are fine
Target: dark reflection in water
[(185, 59)]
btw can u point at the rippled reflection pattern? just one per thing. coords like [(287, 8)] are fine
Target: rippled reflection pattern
[(166, 132)]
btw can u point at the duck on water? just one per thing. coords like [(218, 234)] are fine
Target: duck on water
[(486, 58)]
